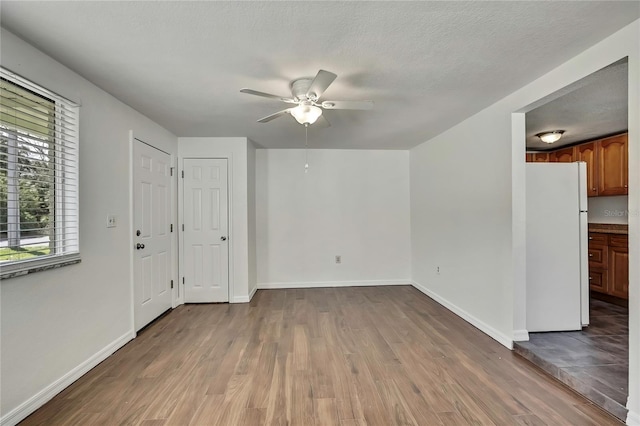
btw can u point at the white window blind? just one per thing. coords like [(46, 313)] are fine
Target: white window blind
[(38, 177)]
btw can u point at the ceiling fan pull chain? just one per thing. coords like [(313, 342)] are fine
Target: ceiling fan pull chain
[(306, 147)]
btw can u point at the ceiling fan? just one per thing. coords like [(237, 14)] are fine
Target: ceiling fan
[(306, 93)]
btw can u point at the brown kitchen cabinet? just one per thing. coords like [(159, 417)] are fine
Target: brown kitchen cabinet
[(598, 281), (607, 163), (537, 157), (609, 264), (619, 266), (613, 168), (598, 262), (587, 152), (562, 156)]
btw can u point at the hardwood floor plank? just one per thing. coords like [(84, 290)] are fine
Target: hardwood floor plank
[(335, 356), (209, 411), (321, 379), (262, 381), (372, 405), (192, 397), (301, 358), (252, 417), (529, 420), (276, 412), (453, 418), (325, 412), (236, 397)]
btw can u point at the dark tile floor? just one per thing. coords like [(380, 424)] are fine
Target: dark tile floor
[(594, 361)]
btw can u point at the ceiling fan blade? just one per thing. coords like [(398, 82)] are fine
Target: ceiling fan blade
[(320, 83), (364, 105), (322, 122), (267, 95), (274, 116)]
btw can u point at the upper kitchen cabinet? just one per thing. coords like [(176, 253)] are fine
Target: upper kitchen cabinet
[(538, 157), (562, 156), (587, 152), (607, 163), (613, 169)]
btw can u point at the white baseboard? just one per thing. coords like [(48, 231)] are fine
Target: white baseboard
[(244, 299), (520, 336), (480, 325), (19, 413), (320, 284), (633, 418)]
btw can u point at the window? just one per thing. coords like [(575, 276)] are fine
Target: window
[(38, 178)]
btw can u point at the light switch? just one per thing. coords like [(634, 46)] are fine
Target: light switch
[(111, 221)]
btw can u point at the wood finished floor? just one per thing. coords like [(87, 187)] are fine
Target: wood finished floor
[(347, 356)]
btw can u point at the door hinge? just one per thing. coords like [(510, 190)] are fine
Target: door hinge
[(183, 174), (183, 227), (171, 283), (182, 280), (172, 227), (171, 171)]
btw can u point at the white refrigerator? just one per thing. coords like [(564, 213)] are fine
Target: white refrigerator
[(557, 247)]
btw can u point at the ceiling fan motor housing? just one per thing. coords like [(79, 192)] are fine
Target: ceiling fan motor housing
[(300, 87)]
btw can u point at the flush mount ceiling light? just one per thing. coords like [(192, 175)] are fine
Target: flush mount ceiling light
[(550, 137)]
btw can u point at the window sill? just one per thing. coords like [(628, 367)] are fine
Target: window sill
[(37, 265)]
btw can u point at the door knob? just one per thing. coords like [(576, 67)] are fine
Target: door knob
[(139, 246), (138, 233), (223, 238)]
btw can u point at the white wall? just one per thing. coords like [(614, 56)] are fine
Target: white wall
[(353, 203), (614, 209), (56, 323), (465, 218), (235, 150), (461, 221)]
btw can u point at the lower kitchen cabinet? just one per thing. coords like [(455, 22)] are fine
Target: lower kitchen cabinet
[(598, 280), (609, 264), (619, 272)]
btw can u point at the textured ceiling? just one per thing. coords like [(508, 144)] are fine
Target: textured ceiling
[(426, 65), (592, 107)]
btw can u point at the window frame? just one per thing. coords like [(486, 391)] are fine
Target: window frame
[(65, 194)]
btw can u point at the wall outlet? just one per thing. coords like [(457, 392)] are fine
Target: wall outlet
[(338, 258), (111, 221)]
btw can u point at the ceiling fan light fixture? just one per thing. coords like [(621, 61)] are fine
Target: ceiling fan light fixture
[(550, 137), (306, 114)]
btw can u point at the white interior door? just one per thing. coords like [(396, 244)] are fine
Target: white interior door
[(152, 241), (206, 225)]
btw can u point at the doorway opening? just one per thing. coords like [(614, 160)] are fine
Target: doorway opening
[(577, 238)]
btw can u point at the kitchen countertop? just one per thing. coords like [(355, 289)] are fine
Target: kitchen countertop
[(609, 228)]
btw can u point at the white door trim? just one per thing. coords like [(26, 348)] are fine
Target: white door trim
[(174, 237), (229, 158)]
